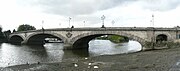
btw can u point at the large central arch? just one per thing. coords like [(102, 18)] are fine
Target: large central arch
[(38, 38), (83, 39)]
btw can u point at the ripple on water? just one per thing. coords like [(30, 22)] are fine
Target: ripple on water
[(53, 52)]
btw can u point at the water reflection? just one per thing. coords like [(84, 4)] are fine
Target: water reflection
[(53, 52), (76, 53), (14, 55), (106, 47)]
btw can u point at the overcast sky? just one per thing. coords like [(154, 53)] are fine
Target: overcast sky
[(56, 13)]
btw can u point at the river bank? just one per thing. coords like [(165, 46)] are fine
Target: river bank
[(156, 60)]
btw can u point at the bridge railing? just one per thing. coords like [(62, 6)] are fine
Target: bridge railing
[(104, 29)]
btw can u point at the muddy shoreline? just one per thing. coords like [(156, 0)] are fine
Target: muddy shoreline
[(154, 60)]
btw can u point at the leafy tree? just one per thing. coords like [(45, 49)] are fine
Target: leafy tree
[(117, 38), (26, 27), (7, 33), (0, 29), (14, 30), (2, 36)]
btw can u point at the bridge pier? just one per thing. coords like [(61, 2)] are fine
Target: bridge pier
[(76, 46), (68, 46), (23, 42), (81, 46), (33, 43), (147, 46)]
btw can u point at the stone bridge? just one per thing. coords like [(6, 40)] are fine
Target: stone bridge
[(80, 37)]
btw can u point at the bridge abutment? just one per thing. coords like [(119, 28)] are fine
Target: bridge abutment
[(148, 46)]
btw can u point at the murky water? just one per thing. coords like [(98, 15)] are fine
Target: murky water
[(53, 52)]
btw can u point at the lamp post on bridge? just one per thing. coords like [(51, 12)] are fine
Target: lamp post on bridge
[(42, 25), (113, 22), (60, 25), (84, 23), (152, 21), (102, 18), (69, 21), (153, 38)]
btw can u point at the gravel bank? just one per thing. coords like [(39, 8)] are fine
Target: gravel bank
[(154, 60)]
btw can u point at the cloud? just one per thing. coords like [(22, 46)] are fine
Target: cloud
[(124, 12), (84, 7), (76, 7), (79, 7), (159, 5)]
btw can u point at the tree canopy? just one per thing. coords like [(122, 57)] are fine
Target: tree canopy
[(2, 36), (25, 27), (0, 29)]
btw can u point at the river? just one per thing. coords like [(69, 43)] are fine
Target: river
[(53, 52)]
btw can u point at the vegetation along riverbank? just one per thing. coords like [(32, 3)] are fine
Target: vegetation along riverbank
[(114, 38)]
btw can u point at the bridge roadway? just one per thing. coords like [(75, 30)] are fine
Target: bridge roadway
[(74, 38)]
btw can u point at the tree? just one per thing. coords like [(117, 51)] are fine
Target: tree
[(0, 29), (26, 27), (2, 36), (14, 30), (7, 33)]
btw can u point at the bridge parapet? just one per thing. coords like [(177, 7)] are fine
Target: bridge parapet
[(72, 35), (105, 29)]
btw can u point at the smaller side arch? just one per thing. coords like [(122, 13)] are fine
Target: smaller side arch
[(169, 36), (161, 37), (38, 38), (16, 39)]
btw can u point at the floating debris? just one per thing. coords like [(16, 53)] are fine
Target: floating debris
[(27, 63), (89, 66), (89, 63), (86, 58), (95, 67), (75, 65), (38, 63)]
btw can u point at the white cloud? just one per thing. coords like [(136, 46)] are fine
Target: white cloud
[(77, 7), (56, 13), (159, 5)]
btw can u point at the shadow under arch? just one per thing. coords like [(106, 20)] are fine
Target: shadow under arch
[(161, 38), (39, 38), (16, 39), (83, 39)]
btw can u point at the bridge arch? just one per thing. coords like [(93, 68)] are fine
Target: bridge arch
[(168, 36), (16, 39), (38, 38), (83, 39), (161, 37)]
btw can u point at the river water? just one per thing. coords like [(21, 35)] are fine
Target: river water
[(53, 52)]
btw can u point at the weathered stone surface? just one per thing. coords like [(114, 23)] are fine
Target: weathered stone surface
[(76, 36)]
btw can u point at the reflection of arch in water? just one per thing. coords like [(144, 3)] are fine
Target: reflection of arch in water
[(161, 37)]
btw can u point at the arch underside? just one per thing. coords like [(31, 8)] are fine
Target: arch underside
[(161, 38), (82, 41), (16, 39), (39, 39)]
